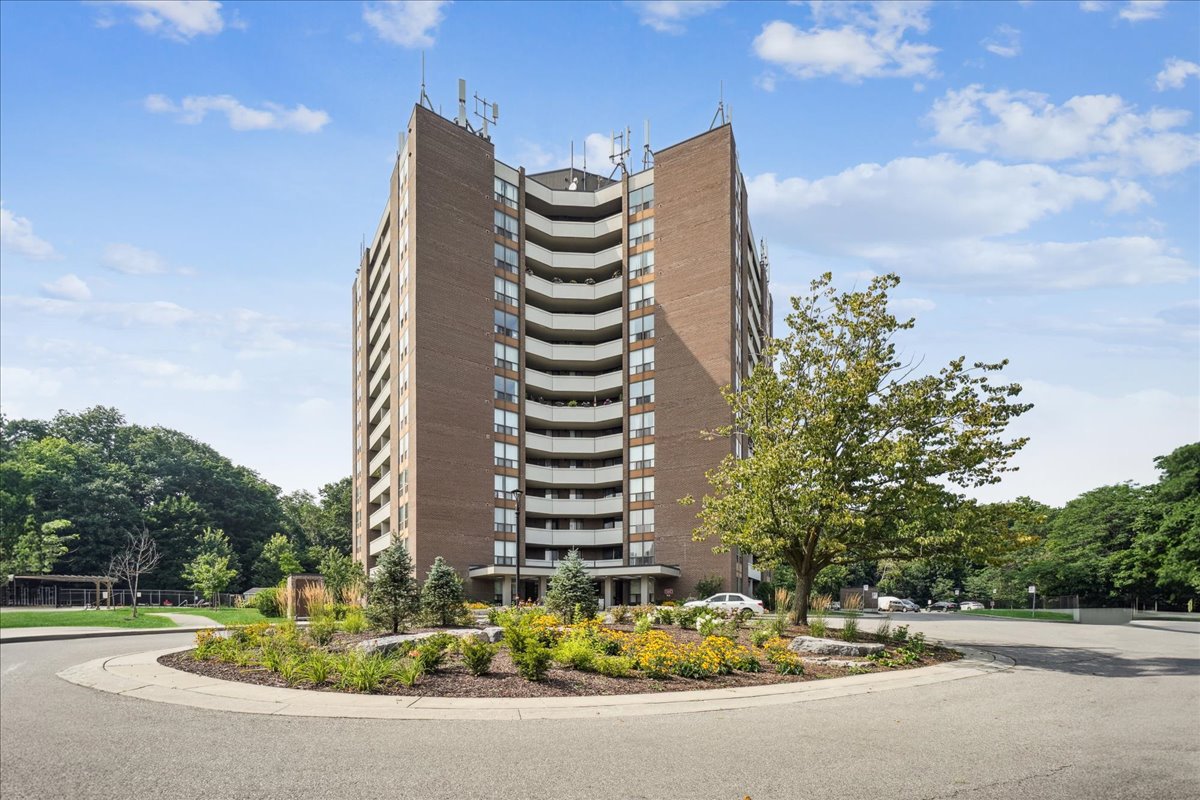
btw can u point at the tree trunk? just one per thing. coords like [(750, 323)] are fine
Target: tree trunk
[(804, 582), (133, 598)]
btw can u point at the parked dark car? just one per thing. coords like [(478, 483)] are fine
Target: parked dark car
[(911, 605), (944, 605)]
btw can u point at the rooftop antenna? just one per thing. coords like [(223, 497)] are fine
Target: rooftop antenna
[(720, 109), (424, 99), (620, 151), (461, 120), (647, 153), (492, 109)]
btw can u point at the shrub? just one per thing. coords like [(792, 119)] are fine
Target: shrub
[(575, 652), (727, 628), (272, 657), (316, 667), (322, 630), (850, 629), (267, 602), (355, 620), (784, 660), (394, 595), (207, 642), (818, 628), (620, 614), (317, 601), (477, 655), (709, 585), (572, 592), (291, 669), (431, 652), (613, 666), (442, 596), (408, 671), (643, 623), (883, 631), (641, 611), (361, 671), (706, 623), (747, 662), (475, 605), (759, 636), (664, 616), (686, 617), (900, 633), (654, 653), (533, 662), (342, 574), (916, 644)]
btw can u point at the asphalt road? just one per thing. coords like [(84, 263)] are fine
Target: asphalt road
[(1088, 712)]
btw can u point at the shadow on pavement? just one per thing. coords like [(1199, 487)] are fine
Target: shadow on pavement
[(1101, 663)]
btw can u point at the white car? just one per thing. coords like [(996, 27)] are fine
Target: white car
[(970, 605), (733, 603)]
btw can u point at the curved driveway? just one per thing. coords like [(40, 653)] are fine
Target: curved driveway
[(1088, 712)]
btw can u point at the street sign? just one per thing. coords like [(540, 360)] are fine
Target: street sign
[(1032, 589)]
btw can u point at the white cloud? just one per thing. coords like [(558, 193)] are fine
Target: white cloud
[(869, 42), (1175, 73), (26, 392), (593, 151), (408, 23), (952, 224), (671, 16), (1004, 42), (1097, 132), (271, 116), (156, 313), (16, 235), (180, 20), (68, 287), (157, 372), (1092, 6), (133, 260), (910, 306), (1172, 330), (1079, 440), (1140, 10)]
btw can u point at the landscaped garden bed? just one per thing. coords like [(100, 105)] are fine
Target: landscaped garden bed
[(540, 655)]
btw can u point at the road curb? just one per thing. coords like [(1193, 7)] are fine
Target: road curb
[(140, 675), (60, 637)]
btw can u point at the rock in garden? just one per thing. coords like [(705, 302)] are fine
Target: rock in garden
[(811, 645), (386, 644), (493, 633)]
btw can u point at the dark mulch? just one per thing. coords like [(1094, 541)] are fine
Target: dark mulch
[(453, 679)]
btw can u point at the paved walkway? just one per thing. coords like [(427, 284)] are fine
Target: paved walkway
[(140, 675)]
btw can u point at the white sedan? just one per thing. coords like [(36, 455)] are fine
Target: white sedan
[(733, 603), (970, 605)]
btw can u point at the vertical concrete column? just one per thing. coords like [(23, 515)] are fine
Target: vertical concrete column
[(542, 584), (608, 592), (506, 591), (644, 590)]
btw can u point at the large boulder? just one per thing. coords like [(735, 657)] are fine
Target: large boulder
[(404, 641), (812, 646)]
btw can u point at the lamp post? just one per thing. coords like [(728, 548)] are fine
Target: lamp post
[(516, 493)]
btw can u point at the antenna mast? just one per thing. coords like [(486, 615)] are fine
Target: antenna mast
[(620, 151), (720, 109), (488, 108), (647, 153), (424, 99)]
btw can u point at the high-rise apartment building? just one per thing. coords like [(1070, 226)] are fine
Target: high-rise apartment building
[(552, 345)]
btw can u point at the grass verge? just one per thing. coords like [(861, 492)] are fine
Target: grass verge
[(225, 616), (1022, 613), (117, 618)]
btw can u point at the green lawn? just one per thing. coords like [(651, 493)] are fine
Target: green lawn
[(118, 618), (225, 616), (1023, 613)]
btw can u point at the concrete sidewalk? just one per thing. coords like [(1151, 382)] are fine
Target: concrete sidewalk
[(183, 622), (140, 675)]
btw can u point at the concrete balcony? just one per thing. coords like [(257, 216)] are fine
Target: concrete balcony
[(614, 562), (573, 445), (573, 199), (576, 294), (381, 291), (380, 403), (379, 430), (585, 325), (380, 347), (380, 486), (585, 385), (379, 544), (567, 261), (601, 507), (592, 538), (559, 229), (380, 318), (565, 416), (380, 458), (380, 515), (589, 354), (574, 476), (379, 377)]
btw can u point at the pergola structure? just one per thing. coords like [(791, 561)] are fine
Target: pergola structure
[(96, 580)]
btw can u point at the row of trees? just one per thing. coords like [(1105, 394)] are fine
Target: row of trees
[(859, 461), (76, 488)]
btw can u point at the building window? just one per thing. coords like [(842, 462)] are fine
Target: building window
[(505, 454), (506, 226), (640, 232), (641, 360), (641, 425), (402, 449), (507, 292), (506, 389), (641, 264), (504, 422), (505, 192), (641, 328), (507, 324), (505, 520), (505, 485), (641, 520), (641, 553), (506, 258), (505, 553), (402, 481), (641, 392), (507, 356), (641, 199), (641, 489), (498, 591), (402, 517), (641, 296), (641, 456)]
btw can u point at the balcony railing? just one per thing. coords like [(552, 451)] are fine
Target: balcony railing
[(641, 561), (504, 561), (647, 464)]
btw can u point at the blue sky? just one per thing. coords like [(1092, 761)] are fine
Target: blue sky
[(185, 187)]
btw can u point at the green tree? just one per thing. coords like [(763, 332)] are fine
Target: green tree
[(40, 547), (709, 585), (277, 560), (442, 596), (210, 574), (394, 596), (850, 450), (571, 590), (1167, 543), (342, 574)]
